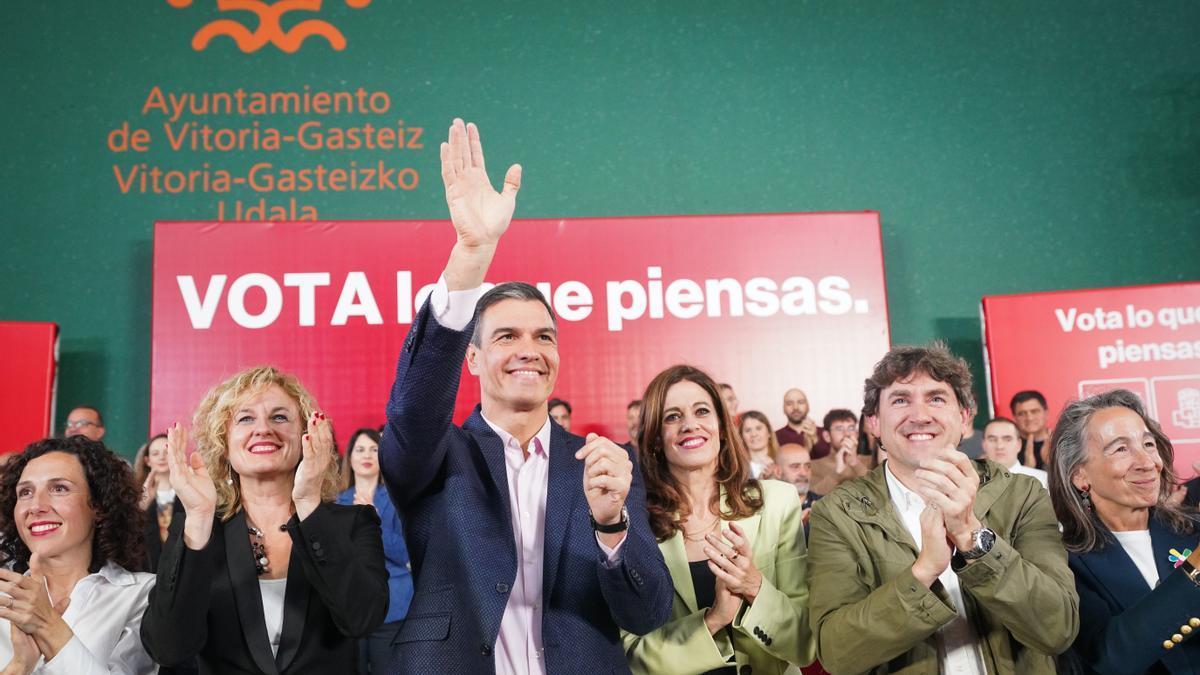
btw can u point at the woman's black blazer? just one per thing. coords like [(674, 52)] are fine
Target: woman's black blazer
[(207, 604)]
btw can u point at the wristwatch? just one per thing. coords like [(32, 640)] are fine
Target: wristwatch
[(983, 539), (616, 527)]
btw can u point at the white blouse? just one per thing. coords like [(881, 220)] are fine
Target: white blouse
[(105, 614)]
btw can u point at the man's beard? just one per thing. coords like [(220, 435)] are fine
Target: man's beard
[(802, 486)]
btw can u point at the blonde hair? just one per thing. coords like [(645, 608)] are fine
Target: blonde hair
[(210, 427)]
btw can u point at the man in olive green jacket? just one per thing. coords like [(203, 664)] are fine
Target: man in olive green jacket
[(934, 562)]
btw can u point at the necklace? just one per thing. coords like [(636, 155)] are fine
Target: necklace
[(704, 531), (258, 547)]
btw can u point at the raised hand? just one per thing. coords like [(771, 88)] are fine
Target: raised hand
[(732, 562), (724, 610), (948, 481), (317, 447), (607, 475), (935, 548), (479, 213), (193, 486)]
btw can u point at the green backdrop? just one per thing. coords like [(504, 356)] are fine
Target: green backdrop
[(1010, 147)]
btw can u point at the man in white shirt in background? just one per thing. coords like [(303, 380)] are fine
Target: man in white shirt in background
[(1002, 445)]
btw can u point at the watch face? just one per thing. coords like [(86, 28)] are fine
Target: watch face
[(986, 539)]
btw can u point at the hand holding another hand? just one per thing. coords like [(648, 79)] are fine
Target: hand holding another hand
[(935, 548), (732, 562), (948, 481)]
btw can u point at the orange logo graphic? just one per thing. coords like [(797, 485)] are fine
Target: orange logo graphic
[(268, 29)]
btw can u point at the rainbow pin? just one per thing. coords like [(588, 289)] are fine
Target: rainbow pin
[(1177, 557)]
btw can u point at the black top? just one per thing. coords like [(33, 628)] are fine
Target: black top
[(1037, 455), (704, 582)]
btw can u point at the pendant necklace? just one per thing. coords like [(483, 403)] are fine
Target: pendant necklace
[(258, 547)]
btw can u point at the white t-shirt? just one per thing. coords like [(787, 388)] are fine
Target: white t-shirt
[(1137, 544)]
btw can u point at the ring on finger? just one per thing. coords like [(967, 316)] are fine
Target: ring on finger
[(735, 555)]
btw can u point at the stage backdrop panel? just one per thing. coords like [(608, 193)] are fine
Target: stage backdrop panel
[(764, 302), (29, 373), (1073, 344)]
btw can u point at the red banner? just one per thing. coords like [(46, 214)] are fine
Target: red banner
[(765, 302), (1073, 344), (29, 372)]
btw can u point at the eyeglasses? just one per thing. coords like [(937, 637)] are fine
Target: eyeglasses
[(75, 424), (845, 428)]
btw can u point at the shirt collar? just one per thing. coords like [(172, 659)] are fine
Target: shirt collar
[(540, 441), (902, 497), (116, 575)]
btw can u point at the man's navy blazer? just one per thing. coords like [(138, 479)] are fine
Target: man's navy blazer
[(451, 485), (1122, 622)]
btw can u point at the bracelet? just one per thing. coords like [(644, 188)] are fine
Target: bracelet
[(1190, 570)]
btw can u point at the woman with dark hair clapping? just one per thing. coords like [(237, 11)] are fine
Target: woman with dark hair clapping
[(265, 574), (734, 545), (69, 517)]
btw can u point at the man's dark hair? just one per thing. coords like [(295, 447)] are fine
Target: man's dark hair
[(837, 415), (1003, 419), (934, 360), (1027, 395), (99, 416), (725, 385), (509, 290), (635, 402), (554, 402)]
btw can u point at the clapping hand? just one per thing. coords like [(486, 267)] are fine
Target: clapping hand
[(809, 428), (724, 610), (193, 486), (935, 548), (32, 612), (947, 481), (732, 562), (607, 475), (317, 445)]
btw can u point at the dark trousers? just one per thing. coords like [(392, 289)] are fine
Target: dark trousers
[(375, 650)]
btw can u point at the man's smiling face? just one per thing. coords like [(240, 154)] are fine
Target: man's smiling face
[(516, 360)]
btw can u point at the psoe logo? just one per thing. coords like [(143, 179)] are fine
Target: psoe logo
[(269, 29)]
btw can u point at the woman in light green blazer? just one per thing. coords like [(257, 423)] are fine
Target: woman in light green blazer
[(741, 599)]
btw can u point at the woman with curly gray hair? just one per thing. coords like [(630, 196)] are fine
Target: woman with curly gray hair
[(266, 574), (1133, 551)]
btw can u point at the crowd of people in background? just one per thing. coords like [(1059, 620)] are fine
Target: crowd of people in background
[(890, 537)]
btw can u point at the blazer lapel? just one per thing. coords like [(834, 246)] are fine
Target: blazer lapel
[(1162, 540), (491, 449), (295, 611), (681, 575), (239, 560), (1115, 572), (564, 487)]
